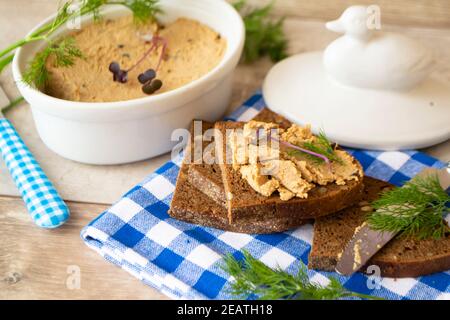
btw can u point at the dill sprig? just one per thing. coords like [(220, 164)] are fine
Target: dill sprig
[(37, 72), (417, 209), (67, 52), (143, 10), (323, 146), (262, 35), (252, 277), (92, 7), (6, 61), (12, 104)]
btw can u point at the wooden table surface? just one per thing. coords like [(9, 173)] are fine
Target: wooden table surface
[(37, 263)]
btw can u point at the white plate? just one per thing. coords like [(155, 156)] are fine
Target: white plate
[(299, 89)]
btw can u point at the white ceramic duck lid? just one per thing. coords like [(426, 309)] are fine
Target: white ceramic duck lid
[(368, 89)]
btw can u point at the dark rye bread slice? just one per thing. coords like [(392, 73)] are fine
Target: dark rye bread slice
[(190, 205), (401, 257), (208, 177), (269, 116), (244, 202)]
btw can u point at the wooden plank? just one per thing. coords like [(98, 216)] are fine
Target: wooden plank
[(36, 263), (418, 13)]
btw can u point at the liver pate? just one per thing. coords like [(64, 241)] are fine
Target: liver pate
[(193, 50)]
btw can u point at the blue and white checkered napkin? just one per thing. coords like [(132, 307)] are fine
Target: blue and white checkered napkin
[(182, 260)]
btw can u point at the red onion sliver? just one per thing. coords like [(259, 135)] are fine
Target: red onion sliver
[(293, 146)]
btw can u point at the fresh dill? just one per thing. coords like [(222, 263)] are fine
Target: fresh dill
[(143, 10), (6, 61), (12, 104), (320, 145), (323, 146), (252, 277), (66, 51), (37, 72), (417, 209), (262, 35)]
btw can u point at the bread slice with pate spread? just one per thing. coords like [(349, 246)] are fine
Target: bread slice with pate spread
[(401, 257), (307, 197), (208, 207), (208, 177)]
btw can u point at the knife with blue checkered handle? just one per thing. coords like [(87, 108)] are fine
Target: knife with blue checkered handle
[(43, 202)]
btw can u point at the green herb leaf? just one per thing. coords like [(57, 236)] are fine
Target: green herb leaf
[(323, 146), (12, 104), (37, 73), (92, 7), (5, 61), (417, 209), (239, 5), (62, 15), (252, 277), (263, 36), (65, 53), (144, 10)]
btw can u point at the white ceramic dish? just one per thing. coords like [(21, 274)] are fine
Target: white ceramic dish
[(369, 89), (357, 117), (133, 130)]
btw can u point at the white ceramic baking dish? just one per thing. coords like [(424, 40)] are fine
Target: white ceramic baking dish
[(127, 131)]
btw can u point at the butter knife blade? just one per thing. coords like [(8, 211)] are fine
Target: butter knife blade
[(366, 242)]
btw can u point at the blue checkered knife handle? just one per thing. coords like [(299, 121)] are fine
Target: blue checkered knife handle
[(43, 202)]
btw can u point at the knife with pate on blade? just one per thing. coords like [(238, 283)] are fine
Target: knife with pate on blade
[(366, 242)]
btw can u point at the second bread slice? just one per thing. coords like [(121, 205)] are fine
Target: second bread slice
[(401, 257)]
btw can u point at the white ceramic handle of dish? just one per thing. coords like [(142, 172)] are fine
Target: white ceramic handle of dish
[(43, 202)]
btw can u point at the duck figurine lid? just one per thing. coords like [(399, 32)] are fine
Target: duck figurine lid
[(365, 57), (368, 89)]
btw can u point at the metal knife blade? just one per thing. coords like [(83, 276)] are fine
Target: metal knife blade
[(366, 242)]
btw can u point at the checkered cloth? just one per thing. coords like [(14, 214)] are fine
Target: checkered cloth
[(183, 260)]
